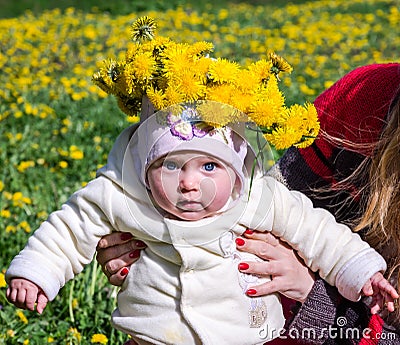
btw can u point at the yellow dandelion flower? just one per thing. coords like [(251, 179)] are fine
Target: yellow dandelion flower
[(1, 185), (223, 71), (10, 333), (261, 70), (177, 60), (279, 64), (143, 66), (26, 342), (191, 88), (172, 96), (5, 213), (283, 138), (131, 51), (25, 226), (143, 29), (50, 340), (99, 339), (22, 317), (73, 332), (157, 98), (25, 165), (3, 283), (75, 153), (220, 93), (201, 48), (130, 106), (11, 228)]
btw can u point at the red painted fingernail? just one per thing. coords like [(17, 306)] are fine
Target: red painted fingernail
[(251, 292), (249, 232), (126, 236), (239, 241), (134, 254), (124, 271), (243, 266), (140, 244)]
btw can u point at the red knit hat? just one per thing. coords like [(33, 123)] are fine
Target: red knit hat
[(355, 107)]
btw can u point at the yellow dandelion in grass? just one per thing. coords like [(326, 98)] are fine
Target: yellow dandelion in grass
[(22, 317), (10, 333), (3, 282), (25, 165), (5, 213), (74, 334), (1, 185), (143, 29), (75, 152), (25, 226), (26, 342), (11, 228), (99, 339), (223, 71), (283, 137), (19, 200)]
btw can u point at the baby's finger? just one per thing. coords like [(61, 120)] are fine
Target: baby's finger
[(367, 289), (41, 302)]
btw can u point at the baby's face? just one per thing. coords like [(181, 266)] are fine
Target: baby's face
[(191, 186)]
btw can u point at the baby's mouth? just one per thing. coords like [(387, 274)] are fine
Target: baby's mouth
[(189, 205)]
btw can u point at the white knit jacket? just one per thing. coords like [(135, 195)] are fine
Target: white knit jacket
[(185, 288)]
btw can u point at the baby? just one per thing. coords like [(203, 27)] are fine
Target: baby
[(182, 186)]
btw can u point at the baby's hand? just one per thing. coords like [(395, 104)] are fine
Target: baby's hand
[(382, 292), (25, 294)]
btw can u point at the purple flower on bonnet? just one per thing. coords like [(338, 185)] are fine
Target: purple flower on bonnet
[(184, 126)]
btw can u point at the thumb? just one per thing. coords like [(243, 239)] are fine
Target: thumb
[(41, 302)]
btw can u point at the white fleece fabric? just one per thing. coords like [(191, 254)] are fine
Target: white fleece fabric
[(185, 288)]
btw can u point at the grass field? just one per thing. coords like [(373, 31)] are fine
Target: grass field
[(56, 128)]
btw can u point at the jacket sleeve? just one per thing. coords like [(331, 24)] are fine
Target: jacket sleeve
[(332, 249), (66, 241), (326, 318)]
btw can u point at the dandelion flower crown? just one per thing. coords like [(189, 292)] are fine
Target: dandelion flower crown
[(166, 73)]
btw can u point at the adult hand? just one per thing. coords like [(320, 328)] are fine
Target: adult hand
[(290, 276), (116, 252)]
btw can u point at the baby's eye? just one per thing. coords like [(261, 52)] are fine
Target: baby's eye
[(170, 165), (210, 166)]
